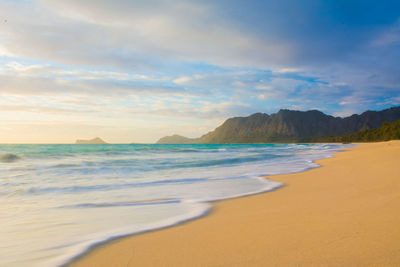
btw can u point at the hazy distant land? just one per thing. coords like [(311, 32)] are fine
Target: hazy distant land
[(96, 140)]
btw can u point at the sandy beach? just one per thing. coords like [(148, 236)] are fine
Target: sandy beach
[(345, 213)]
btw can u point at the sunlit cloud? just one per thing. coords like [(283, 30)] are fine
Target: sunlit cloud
[(137, 70)]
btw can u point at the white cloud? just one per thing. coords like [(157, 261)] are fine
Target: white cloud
[(388, 36), (95, 32), (183, 80), (287, 70), (185, 62), (263, 87)]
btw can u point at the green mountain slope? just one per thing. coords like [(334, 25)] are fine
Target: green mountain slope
[(388, 131)]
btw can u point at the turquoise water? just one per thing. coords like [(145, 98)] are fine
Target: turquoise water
[(56, 201)]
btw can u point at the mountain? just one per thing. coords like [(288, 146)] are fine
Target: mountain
[(177, 139), (388, 131), (96, 140), (294, 126)]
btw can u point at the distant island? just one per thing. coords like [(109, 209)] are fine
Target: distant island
[(177, 139), (288, 126), (96, 140)]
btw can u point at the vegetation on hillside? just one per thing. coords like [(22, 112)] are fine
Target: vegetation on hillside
[(388, 131)]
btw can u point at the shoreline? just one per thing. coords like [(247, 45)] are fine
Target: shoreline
[(195, 233)]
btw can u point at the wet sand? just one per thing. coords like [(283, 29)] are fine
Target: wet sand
[(346, 213)]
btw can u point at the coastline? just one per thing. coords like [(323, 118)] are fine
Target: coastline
[(340, 214)]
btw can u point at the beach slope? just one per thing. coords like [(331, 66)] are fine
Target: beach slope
[(346, 213)]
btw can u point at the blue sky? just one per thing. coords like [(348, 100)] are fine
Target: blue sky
[(134, 71)]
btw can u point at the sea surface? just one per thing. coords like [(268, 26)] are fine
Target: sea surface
[(57, 201)]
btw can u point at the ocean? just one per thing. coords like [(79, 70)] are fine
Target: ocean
[(58, 201)]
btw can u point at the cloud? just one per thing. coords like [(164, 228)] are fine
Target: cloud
[(17, 78), (130, 35), (151, 35), (194, 62), (389, 36)]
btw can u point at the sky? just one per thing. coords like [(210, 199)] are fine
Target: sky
[(135, 71)]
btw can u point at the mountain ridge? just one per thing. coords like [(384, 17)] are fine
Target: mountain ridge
[(291, 126)]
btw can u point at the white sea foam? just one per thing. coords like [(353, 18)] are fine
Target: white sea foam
[(57, 201)]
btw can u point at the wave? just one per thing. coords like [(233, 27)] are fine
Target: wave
[(132, 188), (202, 210), (124, 204), (227, 161), (108, 187), (9, 157)]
